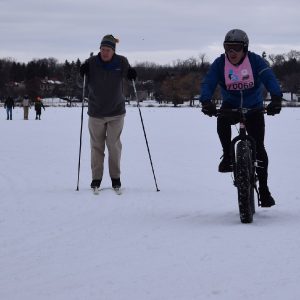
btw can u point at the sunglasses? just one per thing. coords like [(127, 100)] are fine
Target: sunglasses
[(234, 47)]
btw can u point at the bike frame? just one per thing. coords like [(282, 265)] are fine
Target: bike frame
[(241, 112), (243, 157), (243, 136)]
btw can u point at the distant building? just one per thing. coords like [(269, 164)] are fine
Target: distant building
[(48, 85)]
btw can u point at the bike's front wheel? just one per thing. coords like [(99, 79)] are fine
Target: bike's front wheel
[(243, 179)]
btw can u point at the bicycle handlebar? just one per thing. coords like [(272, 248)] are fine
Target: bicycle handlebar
[(238, 111)]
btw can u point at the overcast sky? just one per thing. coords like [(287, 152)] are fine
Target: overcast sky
[(159, 31)]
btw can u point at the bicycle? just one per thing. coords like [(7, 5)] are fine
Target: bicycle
[(244, 162)]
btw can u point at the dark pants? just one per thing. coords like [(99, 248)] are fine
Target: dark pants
[(9, 113), (255, 126), (38, 112)]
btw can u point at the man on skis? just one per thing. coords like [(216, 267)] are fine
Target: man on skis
[(106, 107)]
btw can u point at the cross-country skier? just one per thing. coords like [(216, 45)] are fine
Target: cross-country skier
[(38, 105), (9, 105), (235, 71), (106, 107), (26, 105)]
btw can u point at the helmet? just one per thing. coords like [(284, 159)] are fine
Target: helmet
[(237, 36)]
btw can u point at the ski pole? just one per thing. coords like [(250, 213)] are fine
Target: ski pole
[(80, 140), (138, 105)]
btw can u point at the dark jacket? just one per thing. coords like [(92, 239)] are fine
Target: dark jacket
[(38, 105), (105, 86), (9, 103), (253, 97)]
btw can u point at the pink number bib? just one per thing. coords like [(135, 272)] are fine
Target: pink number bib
[(238, 77)]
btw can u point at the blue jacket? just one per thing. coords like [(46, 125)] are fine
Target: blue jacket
[(262, 73)]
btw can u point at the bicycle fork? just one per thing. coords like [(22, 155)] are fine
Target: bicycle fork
[(244, 137)]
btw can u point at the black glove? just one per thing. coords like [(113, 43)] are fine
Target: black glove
[(84, 69), (131, 74), (209, 108), (275, 106)]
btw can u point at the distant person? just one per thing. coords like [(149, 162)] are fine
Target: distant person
[(241, 75), (9, 105), (26, 106), (106, 107), (38, 105)]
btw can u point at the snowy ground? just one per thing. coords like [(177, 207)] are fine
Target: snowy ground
[(185, 242)]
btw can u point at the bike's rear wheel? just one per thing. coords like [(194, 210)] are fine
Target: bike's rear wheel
[(244, 178)]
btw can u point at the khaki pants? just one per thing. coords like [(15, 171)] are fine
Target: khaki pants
[(106, 130), (26, 109)]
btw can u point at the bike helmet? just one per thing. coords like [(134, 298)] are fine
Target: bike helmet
[(237, 36)]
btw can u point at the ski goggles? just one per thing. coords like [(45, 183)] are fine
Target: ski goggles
[(233, 47)]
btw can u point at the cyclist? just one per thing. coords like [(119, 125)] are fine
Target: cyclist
[(241, 75)]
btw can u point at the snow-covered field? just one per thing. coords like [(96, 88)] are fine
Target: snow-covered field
[(185, 242)]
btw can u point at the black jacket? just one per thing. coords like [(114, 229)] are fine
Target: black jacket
[(105, 86), (9, 103), (38, 105)]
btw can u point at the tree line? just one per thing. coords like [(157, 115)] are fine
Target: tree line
[(174, 83), (40, 77)]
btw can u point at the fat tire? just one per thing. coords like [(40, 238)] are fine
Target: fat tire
[(244, 181)]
